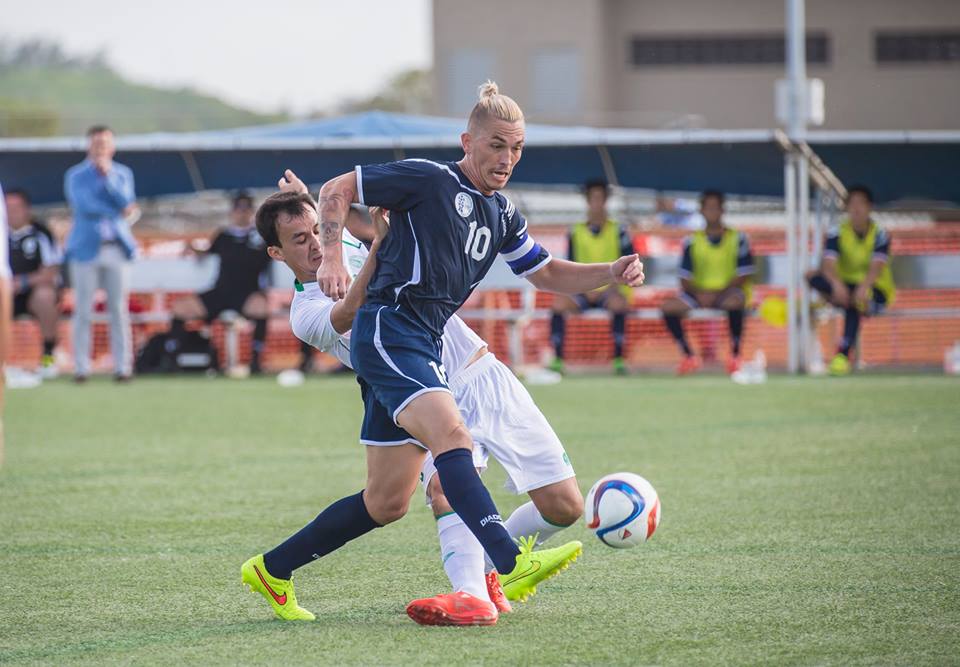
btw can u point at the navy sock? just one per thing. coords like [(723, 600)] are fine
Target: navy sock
[(675, 327), (558, 326), (344, 520), (851, 325), (259, 334), (619, 327), (177, 327), (735, 319), (48, 346), (470, 499)]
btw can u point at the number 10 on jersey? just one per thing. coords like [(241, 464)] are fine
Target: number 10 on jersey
[(478, 242)]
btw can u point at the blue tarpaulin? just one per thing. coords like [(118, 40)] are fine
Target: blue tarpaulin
[(897, 165)]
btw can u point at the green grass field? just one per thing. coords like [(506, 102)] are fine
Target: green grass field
[(804, 522)]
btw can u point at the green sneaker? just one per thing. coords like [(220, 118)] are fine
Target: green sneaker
[(278, 592), (536, 566), (556, 365), (619, 366), (839, 365)]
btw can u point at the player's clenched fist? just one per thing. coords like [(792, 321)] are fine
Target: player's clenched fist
[(628, 270), (291, 183), (333, 279), (381, 222)]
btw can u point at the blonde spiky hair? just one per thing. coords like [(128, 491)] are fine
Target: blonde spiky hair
[(493, 104)]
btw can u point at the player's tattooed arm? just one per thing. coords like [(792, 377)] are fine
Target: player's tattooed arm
[(334, 201), (341, 316)]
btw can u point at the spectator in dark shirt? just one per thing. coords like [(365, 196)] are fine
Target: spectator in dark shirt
[(240, 281), (35, 263)]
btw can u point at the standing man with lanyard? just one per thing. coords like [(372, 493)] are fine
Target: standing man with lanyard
[(100, 247)]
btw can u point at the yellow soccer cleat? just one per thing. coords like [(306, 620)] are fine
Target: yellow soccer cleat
[(536, 566), (839, 365), (278, 592)]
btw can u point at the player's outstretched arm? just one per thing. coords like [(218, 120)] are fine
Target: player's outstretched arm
[(336, 195), (565, 277)]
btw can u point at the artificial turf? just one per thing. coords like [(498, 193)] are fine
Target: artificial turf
[(805, 521)]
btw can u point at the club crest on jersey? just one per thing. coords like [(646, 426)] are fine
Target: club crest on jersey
[(463, 204), (29, 247)]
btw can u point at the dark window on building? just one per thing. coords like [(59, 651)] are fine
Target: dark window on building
[(917, 47), (756, 49)]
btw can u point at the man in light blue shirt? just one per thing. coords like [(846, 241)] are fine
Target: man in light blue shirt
[(100, 248)]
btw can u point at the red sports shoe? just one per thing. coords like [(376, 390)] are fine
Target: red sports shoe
[(733, 365), (689, 365), (453, 609), (495, 591)]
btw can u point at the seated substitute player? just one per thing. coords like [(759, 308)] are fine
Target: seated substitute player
[(240, 281), (445, 239), (599, 239), (35, 262), (855, 273), (715, 272), (513, 429)]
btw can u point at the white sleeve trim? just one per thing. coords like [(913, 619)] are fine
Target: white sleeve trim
[(359, 171), (524, 248), (830, 253), (531, 271), (880, 255), (746, 270), (683, 273), (48, 254)]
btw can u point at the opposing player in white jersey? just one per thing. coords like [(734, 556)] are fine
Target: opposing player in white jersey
[(499, 412), (6, 309)]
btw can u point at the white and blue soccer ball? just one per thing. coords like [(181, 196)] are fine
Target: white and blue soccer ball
[(622, 510)]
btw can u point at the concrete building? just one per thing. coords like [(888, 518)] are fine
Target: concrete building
[(885, 64)]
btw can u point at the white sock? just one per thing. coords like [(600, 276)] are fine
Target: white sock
[(462, 556), (527, 521)]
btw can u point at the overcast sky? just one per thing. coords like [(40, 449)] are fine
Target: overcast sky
[(269, 55)]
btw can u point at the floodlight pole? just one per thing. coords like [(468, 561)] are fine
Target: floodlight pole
[(796, 177)]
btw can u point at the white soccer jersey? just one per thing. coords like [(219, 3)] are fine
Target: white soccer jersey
[(310, 319), (4, 251), (502, 417)]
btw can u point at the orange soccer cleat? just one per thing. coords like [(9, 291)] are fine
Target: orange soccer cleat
[(689, 365), (495, 591), (733, 365), (453, 609)]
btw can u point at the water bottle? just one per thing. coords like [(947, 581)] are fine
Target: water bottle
[(951, 360)]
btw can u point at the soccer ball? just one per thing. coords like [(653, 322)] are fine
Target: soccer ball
[(622, 510)]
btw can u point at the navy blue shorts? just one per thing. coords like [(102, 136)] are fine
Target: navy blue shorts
[(396, 360)]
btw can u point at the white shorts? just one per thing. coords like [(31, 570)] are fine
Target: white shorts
[(505, 423)]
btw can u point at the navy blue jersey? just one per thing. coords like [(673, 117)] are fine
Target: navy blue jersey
[(444, 237)]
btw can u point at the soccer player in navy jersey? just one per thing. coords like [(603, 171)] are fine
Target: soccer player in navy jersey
[(448, 223)]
